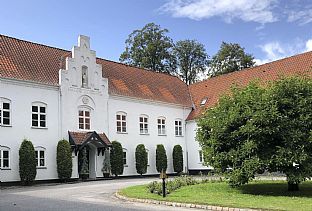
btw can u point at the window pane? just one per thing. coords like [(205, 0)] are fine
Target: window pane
[(41, 162), (42, 117), (123, 117), (42, 109), (124, 124), (42, 124), (5, 163), (34, 108), (158, 121), (87, 127), (35, 123), (118, 117), (34, 116), (6, 121), (80, 113), (87, 113), (41, 154), (87, 120), (5, 154), (141, 119), (124, 129), (80, 126), (6, 114), (6, 106)]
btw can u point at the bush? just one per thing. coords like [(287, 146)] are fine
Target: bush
[(161, 158), (64, 160), (177, 156), (116, 157), (27, 162), (106, 164), (84, 172), (141, 159)]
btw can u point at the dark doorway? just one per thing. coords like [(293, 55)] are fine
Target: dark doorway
[(80, 159)]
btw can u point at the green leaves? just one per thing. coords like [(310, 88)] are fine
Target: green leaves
[(256, 129), (141, 159), (27, 162), (161, 158), (64, 160), (177, 157), (116, 158)]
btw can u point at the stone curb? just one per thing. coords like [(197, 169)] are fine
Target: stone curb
[(177, 204)]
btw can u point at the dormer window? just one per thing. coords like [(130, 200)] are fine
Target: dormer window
[(84, 76), (203, 102)]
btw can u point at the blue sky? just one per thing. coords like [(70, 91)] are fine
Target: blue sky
[(269, 29)]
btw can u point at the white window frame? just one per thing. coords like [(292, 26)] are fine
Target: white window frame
[(7, 149), (39, 114), (2, 110), (161, 126), (38, 151), (178, 127), (83, 120), (200, 156), (121, 123), (125, 158), (143, 124)]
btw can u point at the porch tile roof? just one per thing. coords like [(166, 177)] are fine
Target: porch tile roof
[(80, 137)]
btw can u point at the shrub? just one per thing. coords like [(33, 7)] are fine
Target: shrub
[(177, 156), (141, 159), (106, 163), (84, 165), (64, 160), (116, 157), (161, 158), (27, 162)]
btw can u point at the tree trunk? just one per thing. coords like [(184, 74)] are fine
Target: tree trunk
[(293, 186)]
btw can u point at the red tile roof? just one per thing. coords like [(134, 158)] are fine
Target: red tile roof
[(30, 61), (212, 88), (80, 137)]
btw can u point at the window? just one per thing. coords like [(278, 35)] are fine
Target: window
[(40, 156), (124, 157), (161, 123), (4, 158), (178, 127), (121, 120), (5, 112), (143, 124), (84, 76), (84, 119), (39, 115), (201, 157)]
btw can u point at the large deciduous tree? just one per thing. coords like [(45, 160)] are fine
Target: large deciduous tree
[(149, 48), (230, 57), (191, 59), (260, 129)]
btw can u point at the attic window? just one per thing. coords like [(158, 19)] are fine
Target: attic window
[(203, 102)]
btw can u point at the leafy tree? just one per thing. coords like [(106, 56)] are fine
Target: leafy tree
[(257, 129), (191, 59), (84, 164), (141, 159), (231, 57), (27, 162), (64, 160), (116, 158), (161, 158), (149, 48), (177, 156)]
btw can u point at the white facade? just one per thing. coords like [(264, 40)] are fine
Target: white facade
[(82, 88)]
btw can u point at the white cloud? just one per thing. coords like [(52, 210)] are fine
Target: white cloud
[(302, 17), (259, 11), (276, 50)]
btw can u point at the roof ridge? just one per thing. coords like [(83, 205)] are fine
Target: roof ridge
[(250, 68), (57, 48)]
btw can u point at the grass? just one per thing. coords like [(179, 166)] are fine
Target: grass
[(267, 195)]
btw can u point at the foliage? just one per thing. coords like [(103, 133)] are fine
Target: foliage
[(161, 158), (149, 48), (261, 129), (116, 158), (191, 59), (230, 57), (177, 157), (106, 162), (84, 165), (141, 159), (27, 162), (64, 160)]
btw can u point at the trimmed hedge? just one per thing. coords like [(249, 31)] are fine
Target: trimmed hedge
[(141, 159), (27, 162), (64, 160), (161, 158), (116, 158), (177, 156)]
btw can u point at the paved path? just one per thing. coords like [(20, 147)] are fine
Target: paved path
[(96, 195)]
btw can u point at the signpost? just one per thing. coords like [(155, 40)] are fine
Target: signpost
[(163, 176)]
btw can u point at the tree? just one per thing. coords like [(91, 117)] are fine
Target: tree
[(84, 171), (106, 164), (177, 156), (231, 57), (191, 59), (141, 159), (161, 158), (149, 48), (64, 160), (27, 162), (260, 129), (116, 158)]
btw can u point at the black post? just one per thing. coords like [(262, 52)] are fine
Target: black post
[(164, 187)]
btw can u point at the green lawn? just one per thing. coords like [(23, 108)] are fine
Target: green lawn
[(269, 195)]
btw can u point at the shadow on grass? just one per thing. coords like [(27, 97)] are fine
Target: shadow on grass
[(277, 189)]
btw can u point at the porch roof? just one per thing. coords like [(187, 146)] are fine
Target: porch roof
[(83, 138)]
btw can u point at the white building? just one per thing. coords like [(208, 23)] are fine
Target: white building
[(48, 94)]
